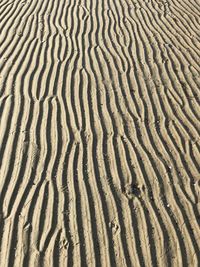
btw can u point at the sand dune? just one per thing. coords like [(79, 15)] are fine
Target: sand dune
[(99, 133)]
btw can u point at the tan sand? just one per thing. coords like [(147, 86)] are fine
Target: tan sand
[(99, 133)]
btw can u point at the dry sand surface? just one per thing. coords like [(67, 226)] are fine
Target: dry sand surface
[(99, 133)]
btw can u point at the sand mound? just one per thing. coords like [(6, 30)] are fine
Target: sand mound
[(99, 133)]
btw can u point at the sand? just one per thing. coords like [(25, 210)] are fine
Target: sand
[(99, 133)]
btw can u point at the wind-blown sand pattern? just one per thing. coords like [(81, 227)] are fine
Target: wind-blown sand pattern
[(99, 133)]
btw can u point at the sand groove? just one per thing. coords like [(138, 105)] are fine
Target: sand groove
[(99, 139)]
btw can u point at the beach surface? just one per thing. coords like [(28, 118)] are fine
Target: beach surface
[(99, 133)]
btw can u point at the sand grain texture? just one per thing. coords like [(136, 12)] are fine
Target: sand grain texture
[(99, 133)]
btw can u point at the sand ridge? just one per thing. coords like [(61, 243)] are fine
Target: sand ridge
[(99, 133)]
